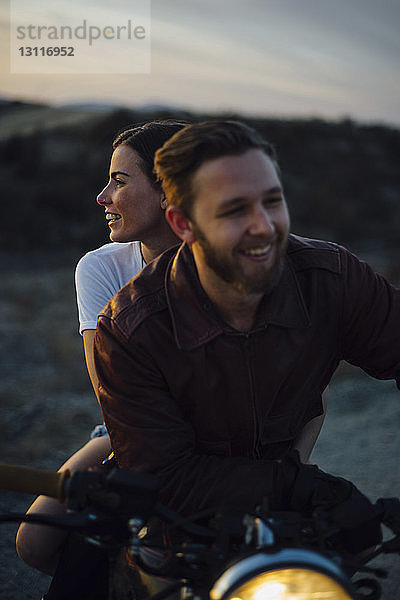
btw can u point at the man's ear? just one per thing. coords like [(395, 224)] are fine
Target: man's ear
[(180, 224), (163, 201)]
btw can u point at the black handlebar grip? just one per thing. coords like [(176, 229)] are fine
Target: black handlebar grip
[(34, 481)]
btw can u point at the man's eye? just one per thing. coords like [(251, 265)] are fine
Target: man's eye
[(237, 211), (119, 182)]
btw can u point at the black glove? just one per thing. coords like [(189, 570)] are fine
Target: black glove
[(390, 508), (308, 488)]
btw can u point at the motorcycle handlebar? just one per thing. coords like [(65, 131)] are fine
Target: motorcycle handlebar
[(34, 481), (129, 493)]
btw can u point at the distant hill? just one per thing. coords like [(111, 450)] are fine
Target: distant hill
[(342, 179)]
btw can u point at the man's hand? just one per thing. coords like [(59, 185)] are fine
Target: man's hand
[(309, 489)]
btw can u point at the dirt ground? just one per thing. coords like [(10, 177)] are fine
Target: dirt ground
[(48, 409)]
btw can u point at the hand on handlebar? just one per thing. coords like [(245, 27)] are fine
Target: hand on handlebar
[(314, 490)]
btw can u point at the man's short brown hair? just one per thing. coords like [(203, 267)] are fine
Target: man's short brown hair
[(178, 159)]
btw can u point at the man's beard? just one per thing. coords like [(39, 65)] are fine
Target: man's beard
[(231, 272)]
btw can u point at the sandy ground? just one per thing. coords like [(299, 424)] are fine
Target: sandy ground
[(47, 410)]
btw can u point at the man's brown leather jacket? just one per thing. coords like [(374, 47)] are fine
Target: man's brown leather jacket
[(208, 408)]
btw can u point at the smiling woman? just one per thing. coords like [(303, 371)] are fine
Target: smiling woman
[(134, 205), (132, 202)]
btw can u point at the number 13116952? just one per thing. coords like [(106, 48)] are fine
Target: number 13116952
[(46, 51)]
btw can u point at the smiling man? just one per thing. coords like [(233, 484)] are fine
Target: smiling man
[(213, 361), (237, 231)]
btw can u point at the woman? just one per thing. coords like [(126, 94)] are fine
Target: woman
[(134, 207)]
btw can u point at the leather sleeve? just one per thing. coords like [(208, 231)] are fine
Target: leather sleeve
[(370, 320), (149, 434)]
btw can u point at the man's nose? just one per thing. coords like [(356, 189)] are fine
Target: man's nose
[(104, 197), (261, 223)]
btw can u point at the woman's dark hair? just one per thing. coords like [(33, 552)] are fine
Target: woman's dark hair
[(146, 139)]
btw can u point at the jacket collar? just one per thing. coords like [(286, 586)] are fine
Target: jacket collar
[(195, 321)]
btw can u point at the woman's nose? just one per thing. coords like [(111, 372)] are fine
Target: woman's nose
[(103, 197)]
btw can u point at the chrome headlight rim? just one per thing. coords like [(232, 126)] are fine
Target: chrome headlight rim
[(289, 558)]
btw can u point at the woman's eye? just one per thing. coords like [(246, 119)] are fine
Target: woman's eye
[(273, 200)]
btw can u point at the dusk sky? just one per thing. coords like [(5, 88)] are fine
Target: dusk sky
[(285, 58)]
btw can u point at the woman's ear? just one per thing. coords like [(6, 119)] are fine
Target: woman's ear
[(180, 224)]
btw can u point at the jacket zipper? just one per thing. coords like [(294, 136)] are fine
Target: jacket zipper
[(246, 344)]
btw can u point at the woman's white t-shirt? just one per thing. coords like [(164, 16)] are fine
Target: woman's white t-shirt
[(100, 274)]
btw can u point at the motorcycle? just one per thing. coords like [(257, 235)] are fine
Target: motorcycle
[(266, 555)]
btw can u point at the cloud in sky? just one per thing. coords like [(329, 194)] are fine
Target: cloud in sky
[(308, 57)]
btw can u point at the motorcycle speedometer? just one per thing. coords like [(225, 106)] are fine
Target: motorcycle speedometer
[(290, 574)]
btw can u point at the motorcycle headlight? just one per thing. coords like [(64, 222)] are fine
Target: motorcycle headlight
[(291, 574)]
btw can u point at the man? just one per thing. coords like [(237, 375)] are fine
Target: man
[(213, 361)]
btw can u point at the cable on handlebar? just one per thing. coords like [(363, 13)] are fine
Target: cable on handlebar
[(186, 523)]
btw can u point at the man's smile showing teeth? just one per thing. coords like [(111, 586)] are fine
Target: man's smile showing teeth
[(260, 251), (111, 217)]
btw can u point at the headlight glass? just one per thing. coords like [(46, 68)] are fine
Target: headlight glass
[(290, 584)]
